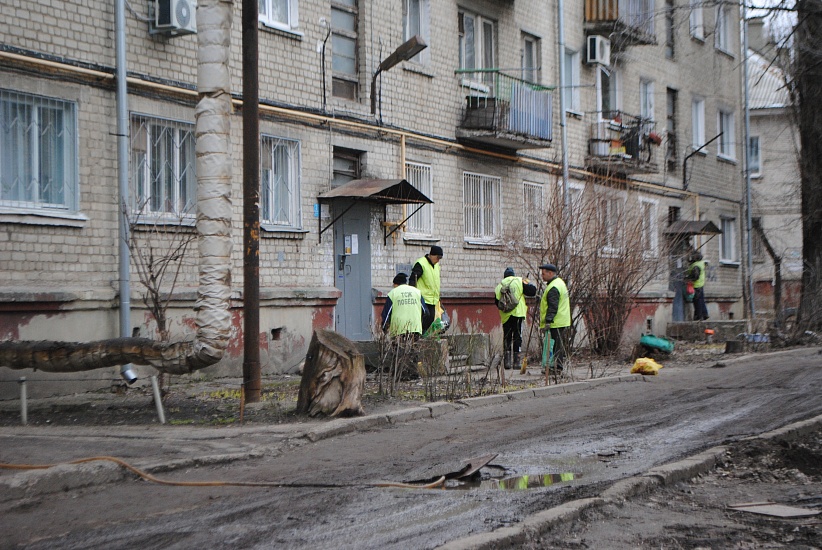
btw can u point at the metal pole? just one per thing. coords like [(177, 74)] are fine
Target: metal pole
[(746, 146), (158, 402), (122, 180), (251, 203), (24, 401), (566, 218)]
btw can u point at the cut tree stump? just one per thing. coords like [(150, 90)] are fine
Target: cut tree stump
[(333, 379)]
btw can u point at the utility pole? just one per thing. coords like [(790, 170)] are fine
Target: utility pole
[(251, 203)]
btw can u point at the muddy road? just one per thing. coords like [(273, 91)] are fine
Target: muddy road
[(579, 443)]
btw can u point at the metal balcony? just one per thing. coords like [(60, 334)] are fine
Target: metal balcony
[(504, 112), (623, 144), (624, 22)]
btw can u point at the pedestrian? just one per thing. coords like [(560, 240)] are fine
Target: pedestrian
[(403, 309), (554, 315), (512, 319), (425, 275), (696, 274)]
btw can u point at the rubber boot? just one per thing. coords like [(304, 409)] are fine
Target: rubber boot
[(517, 361), (506, 360)]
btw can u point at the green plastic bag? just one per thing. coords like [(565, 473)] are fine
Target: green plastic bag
[(547, 351)]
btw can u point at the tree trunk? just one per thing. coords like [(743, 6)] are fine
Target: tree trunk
[(213, 319), (333, 377), (809, 89)]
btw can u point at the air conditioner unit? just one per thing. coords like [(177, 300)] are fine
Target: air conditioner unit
[(599, 50), (174, 17)]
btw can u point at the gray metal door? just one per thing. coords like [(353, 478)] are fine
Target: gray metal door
[(352, 258)]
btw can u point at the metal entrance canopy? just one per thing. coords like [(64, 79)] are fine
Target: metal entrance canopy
[(381, 191)]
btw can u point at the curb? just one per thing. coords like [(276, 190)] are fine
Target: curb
[(535, 525)]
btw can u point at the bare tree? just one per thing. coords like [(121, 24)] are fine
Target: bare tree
[(213, 320)]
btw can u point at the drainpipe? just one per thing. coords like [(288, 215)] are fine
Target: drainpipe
[(122, 181), (562, 122), (746, 147)]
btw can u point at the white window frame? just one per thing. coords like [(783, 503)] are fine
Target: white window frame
[(723, 29), (533, 207), (727, 241), (725, 124), (171, 195), (290, 21), (347, 79), (484, 54), (26, 143), (576, 195), (280, 195), (696, 24), (649, 219), (614, 95), (611, 206), (421, 177), (754, 157), (572, 95), (482, 208), (531, 48), (416, 19), (646, 100), (697, 122)]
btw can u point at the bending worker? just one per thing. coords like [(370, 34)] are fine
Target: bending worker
[(403, 309), (513, 318), (554, 314), (425, 275)]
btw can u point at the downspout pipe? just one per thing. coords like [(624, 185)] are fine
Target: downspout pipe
[(746, 149), (122, 181), (563, 122)]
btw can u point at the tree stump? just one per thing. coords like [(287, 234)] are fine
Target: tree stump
[(333, 379)]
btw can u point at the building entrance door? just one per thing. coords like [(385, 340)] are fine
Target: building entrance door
[(352, 257)]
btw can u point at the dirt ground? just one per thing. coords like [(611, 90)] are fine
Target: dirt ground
[(697, 514)]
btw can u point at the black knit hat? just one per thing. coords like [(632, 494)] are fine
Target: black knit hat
[(435, 251), (509, 272), (400, 279)]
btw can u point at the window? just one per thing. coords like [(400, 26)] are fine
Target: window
[(727, 245), (648, 228), (698, 123), (280, 183), (38, 153), (754, 160), (696, 26), (416, 21), (576, 205), (611, 210), (670, 120), (420, 176), (533, 202), (723, 28), (670, 28), (674, 214), (726, 140), (531, 68), (646, 100), (347, 166), (572, 81), (344, 82), (482, 207), (282, 14), (477, 43), (164, 180), (607, 92)]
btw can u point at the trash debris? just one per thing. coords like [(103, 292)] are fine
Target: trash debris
[(659, 343), (645, 365), (773, 509)]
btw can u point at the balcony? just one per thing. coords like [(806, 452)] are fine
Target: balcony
[(625, 22), (623, 144), (504, 112)]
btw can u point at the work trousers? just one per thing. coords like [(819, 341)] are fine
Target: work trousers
[(700, 309), (428, 316), (558, 335), (512, 334)]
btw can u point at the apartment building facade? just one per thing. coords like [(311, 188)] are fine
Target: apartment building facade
[(458, 145)]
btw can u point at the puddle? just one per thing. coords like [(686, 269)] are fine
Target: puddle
[(516, 483)]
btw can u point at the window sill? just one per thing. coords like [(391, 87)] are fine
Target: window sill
[(274, 232), (723, 158), (725, 53), (419, 239), (144, 221), (418, 68), (698, 39), (284, 31), (482, 244), (730, 263), (29, 217), (574, 114)]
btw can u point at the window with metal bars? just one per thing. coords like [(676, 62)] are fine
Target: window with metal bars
[(163, 173), (38, 152), (280, 183), (420, 176), (482, 207), (534, 214)]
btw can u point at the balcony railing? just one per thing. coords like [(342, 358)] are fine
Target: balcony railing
[(623, 143), (624, 21), (504, 111)]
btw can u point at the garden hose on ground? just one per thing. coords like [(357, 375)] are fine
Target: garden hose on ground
[(153, 479)]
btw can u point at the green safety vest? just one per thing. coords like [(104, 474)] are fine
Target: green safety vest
[(516, 285), (563, 315), (700, 282), (406, 310), (429, 282)]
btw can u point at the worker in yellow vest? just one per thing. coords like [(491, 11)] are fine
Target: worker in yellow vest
[(554, 316), (403, 309), (513, 318), (425, 275), (696, 274)]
